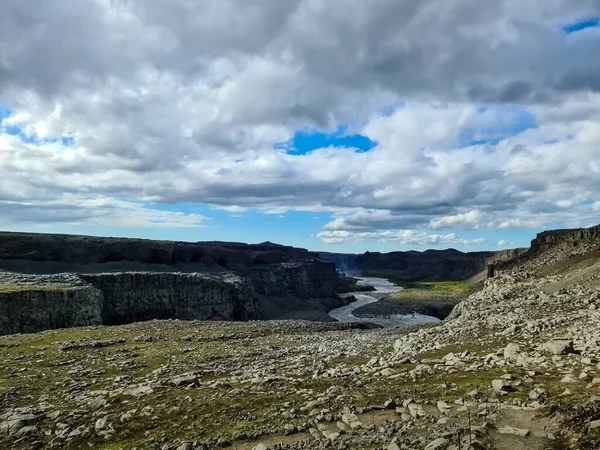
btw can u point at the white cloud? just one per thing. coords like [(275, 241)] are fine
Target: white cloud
[(192, 112), (402, 237)]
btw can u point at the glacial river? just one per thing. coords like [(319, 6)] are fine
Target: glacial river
[(345, 313)]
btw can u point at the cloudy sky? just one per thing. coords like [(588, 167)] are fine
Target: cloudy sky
[(340, 125)]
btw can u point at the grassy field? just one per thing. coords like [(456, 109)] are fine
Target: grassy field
[(435, 288), (429, 288)]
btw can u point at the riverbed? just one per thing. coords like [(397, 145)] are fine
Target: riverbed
[(384, 286)]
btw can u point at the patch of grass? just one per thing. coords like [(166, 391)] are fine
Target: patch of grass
[(12, 288)]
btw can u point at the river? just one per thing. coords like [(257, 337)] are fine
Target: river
[(345, 313)]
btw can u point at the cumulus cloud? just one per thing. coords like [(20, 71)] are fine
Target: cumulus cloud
[(186, 102)]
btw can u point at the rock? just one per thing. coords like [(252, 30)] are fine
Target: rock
[(511, 330), (393, 446), (185, 446), (388, 372), (390, 404), (511, 352), (351, 420), (438, 444), (559, 346), (416, 410), (139, 391), (514, 431), (185, 380), (100, 424), (342, 426), (595, 424), (444, 407), (260, 446), (501, 385), (26, 431)]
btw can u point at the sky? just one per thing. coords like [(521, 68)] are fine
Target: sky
[(343, 126)]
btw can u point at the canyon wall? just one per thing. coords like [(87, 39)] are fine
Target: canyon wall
[(37, 303), (412, 265), (62, 281), (37, 308), (565, 238)]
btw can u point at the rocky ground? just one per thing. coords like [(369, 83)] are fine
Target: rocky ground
[(515, 366)]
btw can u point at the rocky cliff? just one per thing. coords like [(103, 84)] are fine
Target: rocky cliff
[(134, 296), (412, 265), (301, 279), (36, 303), (127, 280), (57, 253), (566, 238)]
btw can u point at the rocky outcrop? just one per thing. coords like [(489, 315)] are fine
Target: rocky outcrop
[(32, 309), (304, 280), (135, 296), (570, 238), (36, 303)]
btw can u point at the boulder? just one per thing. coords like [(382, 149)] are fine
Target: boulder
[(438, 444), (558, 346)]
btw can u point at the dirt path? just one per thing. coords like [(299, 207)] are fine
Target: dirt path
[(539, 428)]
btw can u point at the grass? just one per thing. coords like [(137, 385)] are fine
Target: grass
[(441, 287), (12, 288), (435, 289)]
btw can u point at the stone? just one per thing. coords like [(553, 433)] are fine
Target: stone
[(390, 404), (260, 446), (351, 420), (416, 410), (568, 379), (393, 446), (511, 351), (514, 431), (595, 424), (185, 446), (559, 346), (438, 444), (139, 391), (100, 424), (25, 431), (185, 380), (444, 407), (501, 385)]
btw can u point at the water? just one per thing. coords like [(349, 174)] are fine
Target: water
[(344, 314)]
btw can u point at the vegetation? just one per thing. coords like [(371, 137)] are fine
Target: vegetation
[(11, 288), (435, 288)]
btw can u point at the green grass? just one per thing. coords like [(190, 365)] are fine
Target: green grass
[(435, 288), (11, 288)]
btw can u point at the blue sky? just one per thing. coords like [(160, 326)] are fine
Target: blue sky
[(475, 132), (593, 22)]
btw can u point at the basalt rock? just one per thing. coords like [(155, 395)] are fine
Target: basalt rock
[(117, 298)]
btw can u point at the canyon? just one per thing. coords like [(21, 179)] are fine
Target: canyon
[(515, 365)]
